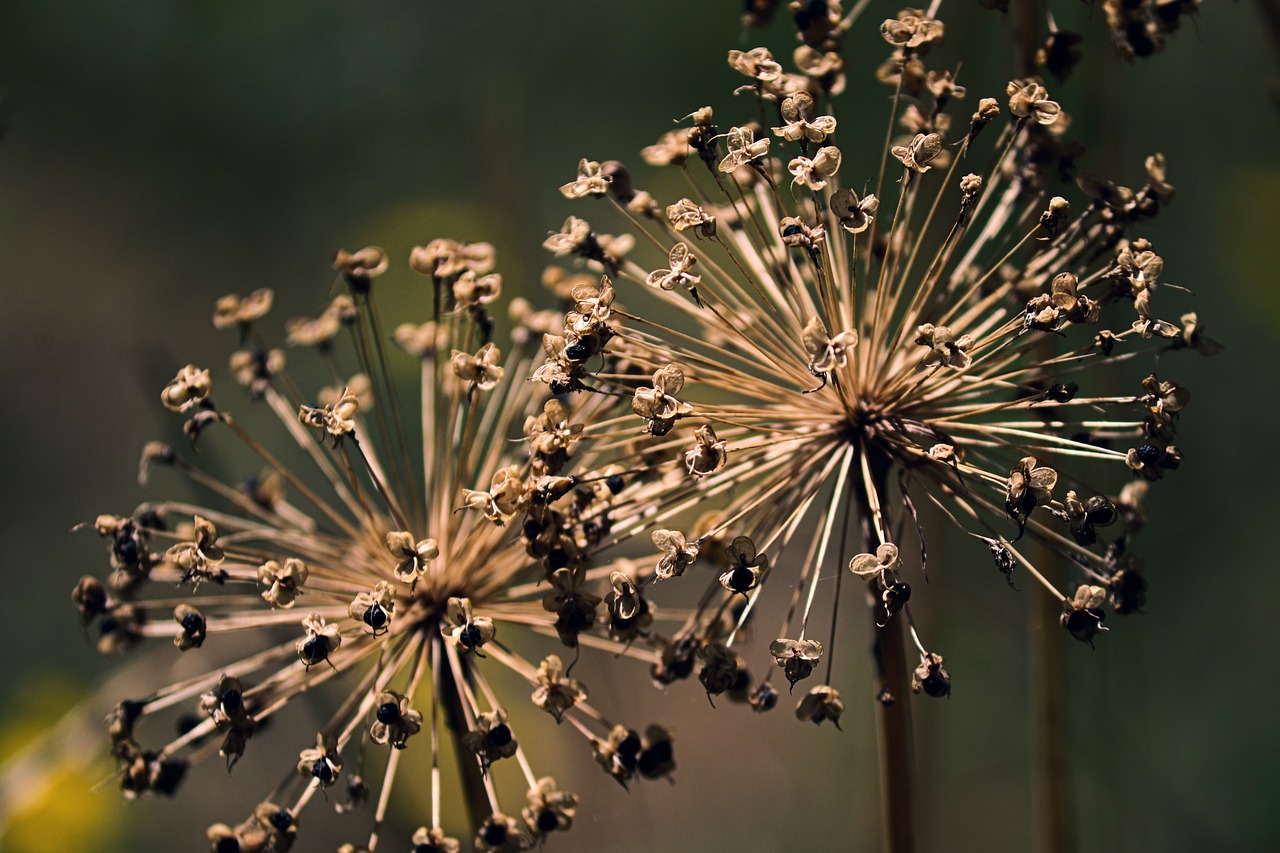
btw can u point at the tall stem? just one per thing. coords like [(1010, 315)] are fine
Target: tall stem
[(893, 723), (474, 796), (1029, 16), (1055, 799), (888, 652)]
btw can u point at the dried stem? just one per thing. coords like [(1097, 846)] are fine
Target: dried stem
[(1029, 17), (1056, 801), (888, 651), (475, 796), (893, 722)]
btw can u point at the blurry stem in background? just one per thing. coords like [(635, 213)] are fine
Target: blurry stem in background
[(893, 721), (1029, 16), (1055, 801), (1270, 10)]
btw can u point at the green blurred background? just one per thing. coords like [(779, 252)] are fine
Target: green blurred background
[(156, 155)]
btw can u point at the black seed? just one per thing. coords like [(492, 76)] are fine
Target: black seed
[(231, 700), (1060, 393), (1128, 591), (494, 834), (764, 698), (282, 820), (935, 685), (628, 750), (547, 820), (791, 230), (655, 757), (577, 352), (500, 735), (573, 620), (322, 771), (615, 483), (152, 519), (1139, 41), (557, 559), (168, 776), (740, 579), (471, 637), (127, 551), (388, 713), (677, 660), (192, 624), (1083, 624), (1100, 511), (315, 650), (1149, 453), (1085, 534), (375, 617), (227, 844)]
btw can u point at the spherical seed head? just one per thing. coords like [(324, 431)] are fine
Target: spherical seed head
[(399, 588), (958, 355)]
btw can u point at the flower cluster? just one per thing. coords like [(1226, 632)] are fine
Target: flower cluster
[(776, 375), (840, 361), (392, 561)]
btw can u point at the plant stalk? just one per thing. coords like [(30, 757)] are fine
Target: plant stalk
[(475, 797), (893, 723), (888, 652), (1054, 795)]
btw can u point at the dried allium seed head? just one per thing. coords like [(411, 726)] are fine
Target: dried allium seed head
[(962, 342), (406, 569)]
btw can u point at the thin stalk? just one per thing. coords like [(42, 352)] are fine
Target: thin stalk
[(893, 723), (888, 651), (475, 796), (1055, 799)]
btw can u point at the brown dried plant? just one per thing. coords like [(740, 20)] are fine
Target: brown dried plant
[(798, 379), (389, 568)]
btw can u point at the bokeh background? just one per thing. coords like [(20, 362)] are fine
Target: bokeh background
[(156, 155)]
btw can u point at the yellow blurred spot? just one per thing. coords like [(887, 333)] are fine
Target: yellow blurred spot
[(56, 810)]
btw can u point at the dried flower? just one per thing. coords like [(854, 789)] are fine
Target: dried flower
[(284, 583), (408, 571), (796, 657), (798, 113), (591, 181), (963, 327), (190, 387), (1141, 27), (822, 703), (677, 553), (550, 809), (556, 694), (742, 148), (491, 739)]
